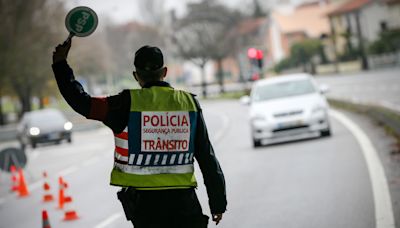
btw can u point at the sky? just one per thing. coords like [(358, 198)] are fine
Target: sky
[(121, 11)]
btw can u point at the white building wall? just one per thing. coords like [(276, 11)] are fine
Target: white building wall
[(371, 17), (394, 16)]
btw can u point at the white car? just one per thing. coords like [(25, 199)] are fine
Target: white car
[(286, 108), (45, 125)]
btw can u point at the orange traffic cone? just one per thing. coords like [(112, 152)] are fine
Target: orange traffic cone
[(61, 197), (22, 188), (14, 179), (47, 197), (69, 212), (45, 220)]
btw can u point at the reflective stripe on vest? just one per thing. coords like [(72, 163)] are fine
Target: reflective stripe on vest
[(156, 150)]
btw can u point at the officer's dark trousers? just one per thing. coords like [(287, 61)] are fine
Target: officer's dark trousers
[(178, 208)]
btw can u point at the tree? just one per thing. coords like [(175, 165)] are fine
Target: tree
[(303, 52), (388, 42), (258, 10), (125, 39), (28, 32), (205, 34), (152, 11)]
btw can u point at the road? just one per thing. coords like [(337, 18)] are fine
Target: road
[(317, 183)]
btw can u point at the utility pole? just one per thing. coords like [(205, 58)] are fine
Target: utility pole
[(364, 60), (333, 37)]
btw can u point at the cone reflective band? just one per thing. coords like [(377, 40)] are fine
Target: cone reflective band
[(81, 21)]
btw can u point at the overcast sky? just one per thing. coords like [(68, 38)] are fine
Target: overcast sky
[(123, 10)]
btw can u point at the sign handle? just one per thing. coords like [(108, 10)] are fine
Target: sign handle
[(71, 34)]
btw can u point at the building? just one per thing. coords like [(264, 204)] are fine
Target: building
[(357, 20), (293, 24)]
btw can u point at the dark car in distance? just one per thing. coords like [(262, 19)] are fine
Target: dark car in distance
[(42, 126)]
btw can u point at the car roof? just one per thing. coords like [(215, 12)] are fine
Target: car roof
[(44, 112), (283, 78)]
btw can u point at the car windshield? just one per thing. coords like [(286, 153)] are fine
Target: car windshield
[(282, 89), (46, 118)]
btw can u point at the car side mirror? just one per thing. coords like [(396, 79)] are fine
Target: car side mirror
[(245, 100), (323, 89)]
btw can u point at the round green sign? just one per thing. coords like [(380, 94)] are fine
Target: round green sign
[(81, 21)]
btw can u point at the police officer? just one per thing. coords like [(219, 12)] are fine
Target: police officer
[(158, 132)]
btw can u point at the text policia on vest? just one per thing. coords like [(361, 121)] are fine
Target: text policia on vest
[(165, 131)]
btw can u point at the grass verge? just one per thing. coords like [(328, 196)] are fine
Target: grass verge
[(388, 119)]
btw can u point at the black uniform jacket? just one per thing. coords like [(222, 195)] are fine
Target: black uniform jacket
[(113, 111)]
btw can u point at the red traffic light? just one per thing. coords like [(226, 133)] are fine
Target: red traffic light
[(259, 54), (254, 53)]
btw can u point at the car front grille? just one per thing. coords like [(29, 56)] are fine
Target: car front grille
[(290, 128), (285, 114)]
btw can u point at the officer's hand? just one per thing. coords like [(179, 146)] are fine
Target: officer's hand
[(216, 218), (61, 52)]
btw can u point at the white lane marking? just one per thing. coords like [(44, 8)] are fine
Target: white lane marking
[(109, 220), (225, 124), (67, 171), (383, 205)]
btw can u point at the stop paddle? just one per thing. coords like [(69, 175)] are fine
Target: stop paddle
[(81, 21)]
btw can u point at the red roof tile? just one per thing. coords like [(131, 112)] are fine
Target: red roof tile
[(349, 6)]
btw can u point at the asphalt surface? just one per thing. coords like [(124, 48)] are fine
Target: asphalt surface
[(321, 182)]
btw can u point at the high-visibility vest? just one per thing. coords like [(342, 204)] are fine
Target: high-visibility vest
[(156, 149)]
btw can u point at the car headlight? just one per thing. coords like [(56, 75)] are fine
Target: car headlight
[(68, 126), (34, 131)]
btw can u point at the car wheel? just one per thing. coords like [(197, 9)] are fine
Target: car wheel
[(69, 140), (34, 145), (326, 133), (256, 143)]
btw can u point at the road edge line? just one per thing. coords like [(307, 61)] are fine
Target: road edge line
[(225, 125), (384, 217)]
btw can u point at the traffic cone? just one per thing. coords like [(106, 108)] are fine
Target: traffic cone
[(69, 212), (61, 197), (22, 188), (45, 220), (14, 179), (47, 197)]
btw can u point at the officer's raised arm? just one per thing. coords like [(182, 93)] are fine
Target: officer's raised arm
[(70, 89), (110, 110)]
